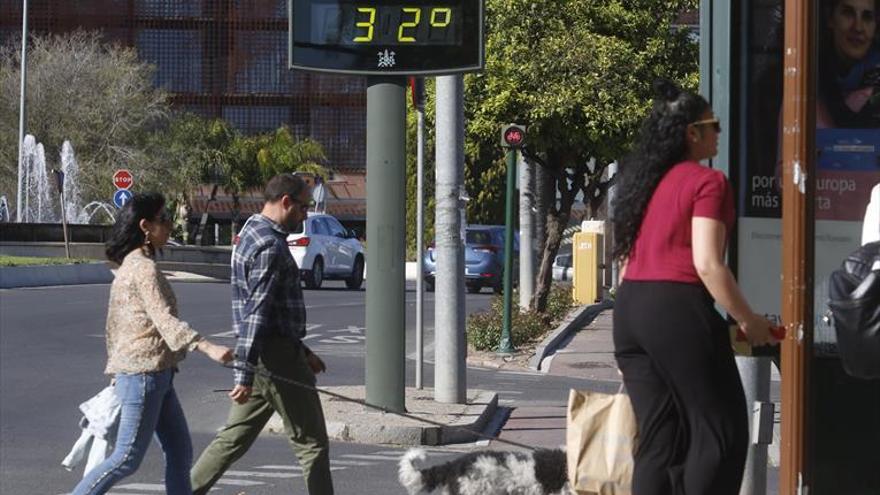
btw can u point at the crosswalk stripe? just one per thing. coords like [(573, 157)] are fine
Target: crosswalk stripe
[(341, 462), (224, 481), (372, 457), (262, 474), (150, 487)]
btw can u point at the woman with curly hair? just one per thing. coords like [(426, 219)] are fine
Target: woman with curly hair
[(672, 220)]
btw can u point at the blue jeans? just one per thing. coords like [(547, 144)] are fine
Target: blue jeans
[(149, 405)]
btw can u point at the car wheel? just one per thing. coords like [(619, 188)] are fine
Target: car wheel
[(474, 289), (357, 275), (429, 285), (316, 276), (498, 289)]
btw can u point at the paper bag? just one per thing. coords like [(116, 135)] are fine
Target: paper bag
[(600, 441)]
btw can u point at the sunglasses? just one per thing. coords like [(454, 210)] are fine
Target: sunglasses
[(715, 123)]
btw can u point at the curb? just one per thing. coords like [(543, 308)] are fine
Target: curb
[(216, 271), (483, 407), (13, 277), (576, 319)]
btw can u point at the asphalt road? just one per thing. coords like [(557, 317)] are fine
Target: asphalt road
[(52, 357)]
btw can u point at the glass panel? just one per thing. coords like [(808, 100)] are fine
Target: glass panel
[(177, 55)]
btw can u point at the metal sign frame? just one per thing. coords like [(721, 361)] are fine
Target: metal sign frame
[(478, 63)]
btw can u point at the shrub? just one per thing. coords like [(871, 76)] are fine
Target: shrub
[(484, 327)]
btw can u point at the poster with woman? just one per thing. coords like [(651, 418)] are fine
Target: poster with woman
[(847, 141)]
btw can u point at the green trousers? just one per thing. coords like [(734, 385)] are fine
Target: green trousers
[(300, 409)]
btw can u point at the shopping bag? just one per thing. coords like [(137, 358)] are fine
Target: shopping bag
[(600, 441)]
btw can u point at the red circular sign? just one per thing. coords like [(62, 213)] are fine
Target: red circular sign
[(123, 179), (514, 136)]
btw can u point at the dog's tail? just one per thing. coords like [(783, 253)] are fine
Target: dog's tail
[(409, 475)]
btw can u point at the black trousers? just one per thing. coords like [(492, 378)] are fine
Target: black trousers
[(674, 352)]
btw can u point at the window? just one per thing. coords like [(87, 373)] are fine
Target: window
[(336, 229)]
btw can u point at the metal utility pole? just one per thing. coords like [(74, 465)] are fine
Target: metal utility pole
[(22, 110), (419, 100), (609, 232), (798, 172), (386, 221), (450, 345), (526, 238), (512, 137)]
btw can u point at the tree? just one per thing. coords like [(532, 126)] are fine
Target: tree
[(578, 73), (99, 97)]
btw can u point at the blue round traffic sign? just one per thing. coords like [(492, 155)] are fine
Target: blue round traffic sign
[(121, 196)]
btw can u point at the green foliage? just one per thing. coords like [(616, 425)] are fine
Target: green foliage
[(484, 328), (281, 152), (34, 261), (100, 97)]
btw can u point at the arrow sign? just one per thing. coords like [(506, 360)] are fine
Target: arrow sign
[(121, 197)]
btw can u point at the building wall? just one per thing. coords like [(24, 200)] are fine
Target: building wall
[(219, 58)]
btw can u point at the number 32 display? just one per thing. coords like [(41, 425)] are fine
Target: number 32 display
[(387, 36), (385, 25)]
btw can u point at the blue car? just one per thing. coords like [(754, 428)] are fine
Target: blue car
[(483, 258)]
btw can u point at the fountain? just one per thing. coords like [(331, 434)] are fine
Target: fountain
[(38, 204), (41, 204), (72, 200)]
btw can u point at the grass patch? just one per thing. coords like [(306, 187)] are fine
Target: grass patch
[(34, 261)]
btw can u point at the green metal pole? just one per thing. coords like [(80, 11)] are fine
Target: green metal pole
[(506, 344), (386, 223)]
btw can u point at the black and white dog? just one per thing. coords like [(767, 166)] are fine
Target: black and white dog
[(541, 472)]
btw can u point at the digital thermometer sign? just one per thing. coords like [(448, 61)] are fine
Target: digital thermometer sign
[(386, 37)]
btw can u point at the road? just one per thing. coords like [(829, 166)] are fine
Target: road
[(52, 357)]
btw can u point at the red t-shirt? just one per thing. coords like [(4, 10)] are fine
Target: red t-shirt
[(662, 250)]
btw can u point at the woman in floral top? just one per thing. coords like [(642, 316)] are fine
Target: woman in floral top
[(145, 342)]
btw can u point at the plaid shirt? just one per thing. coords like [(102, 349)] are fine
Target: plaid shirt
[(267, 299)]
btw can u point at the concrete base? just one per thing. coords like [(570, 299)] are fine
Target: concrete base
[(350, 422), (50, 275)]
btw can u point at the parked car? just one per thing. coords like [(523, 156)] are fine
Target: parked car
[(562, 264), (483, 258), (324, 250)]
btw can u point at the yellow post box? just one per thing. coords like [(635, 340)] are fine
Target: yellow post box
[(588, 255)]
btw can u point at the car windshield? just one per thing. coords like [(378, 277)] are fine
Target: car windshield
[(479, 237)]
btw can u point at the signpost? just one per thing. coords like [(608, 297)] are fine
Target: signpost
[(513, 137), (123, 180), (387, 40), (121, 196)]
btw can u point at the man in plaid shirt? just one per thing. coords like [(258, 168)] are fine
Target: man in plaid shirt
[(269, 317)]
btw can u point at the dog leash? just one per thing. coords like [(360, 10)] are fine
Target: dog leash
[(268, 374)]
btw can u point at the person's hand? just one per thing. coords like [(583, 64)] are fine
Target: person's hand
[(315, 363), (240, 394), (758, 330), (218, 353)]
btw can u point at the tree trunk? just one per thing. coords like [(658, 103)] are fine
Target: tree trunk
[(236, 211), (557, 220)]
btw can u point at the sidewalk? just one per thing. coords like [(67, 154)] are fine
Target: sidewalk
[(587, 355)]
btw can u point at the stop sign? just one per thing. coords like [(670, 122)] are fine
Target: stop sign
[(123, 179)]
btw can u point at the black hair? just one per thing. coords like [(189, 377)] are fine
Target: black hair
[(284, 185), (659, 145), (127, 234)]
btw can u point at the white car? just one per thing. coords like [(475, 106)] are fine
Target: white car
[(323, 249)]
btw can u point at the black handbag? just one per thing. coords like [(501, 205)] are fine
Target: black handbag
[(854, 301)]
